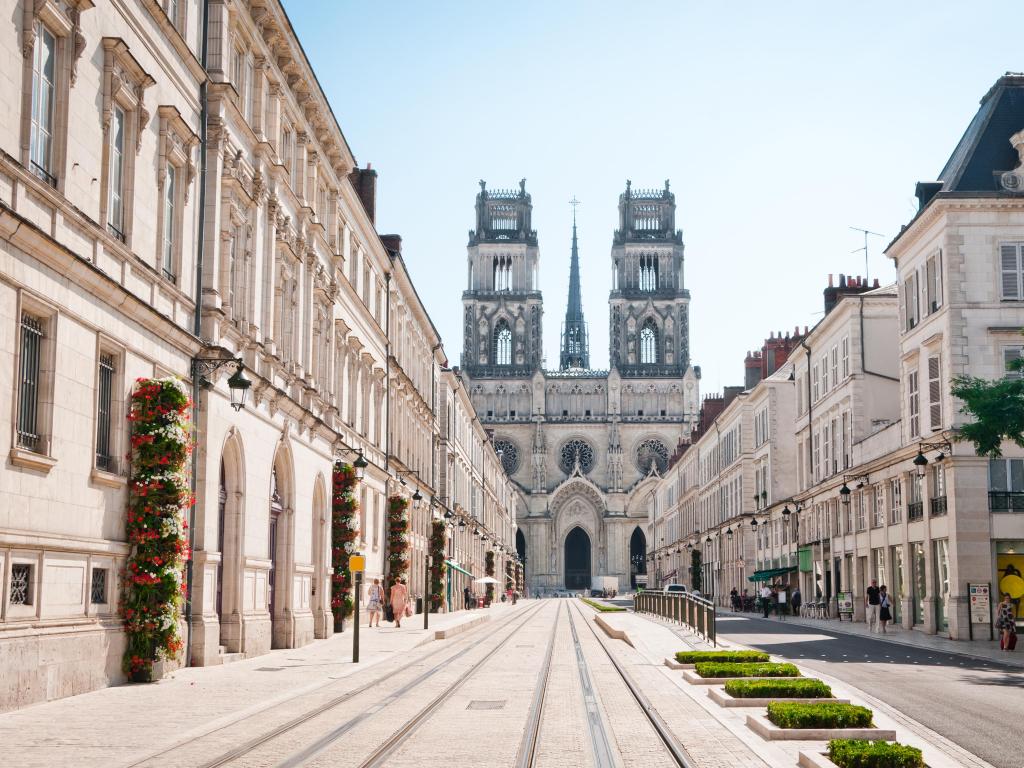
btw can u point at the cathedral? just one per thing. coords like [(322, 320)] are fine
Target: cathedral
[(584, 446)]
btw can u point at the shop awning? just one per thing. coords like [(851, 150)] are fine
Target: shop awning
[(770, 573), (456, 567)]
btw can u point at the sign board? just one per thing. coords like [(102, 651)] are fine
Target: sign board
[(845, 603), (981, 603), (641, 579), (357, 563)]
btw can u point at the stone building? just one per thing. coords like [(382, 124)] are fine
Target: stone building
[(584, 446)]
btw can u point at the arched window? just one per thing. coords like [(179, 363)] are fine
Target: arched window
[(502, 344), (648, 343), (648, 273), (503, 273)]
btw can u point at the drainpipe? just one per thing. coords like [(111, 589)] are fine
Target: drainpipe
[(863, 360), (197, 322)]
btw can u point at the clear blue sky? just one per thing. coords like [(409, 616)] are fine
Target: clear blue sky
[(779, 125)]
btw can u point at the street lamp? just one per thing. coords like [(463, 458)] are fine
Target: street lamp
[(844, 492), (417, 497), (920, 463), (785, 511), (728, 531), (360, 465), (238, 383)]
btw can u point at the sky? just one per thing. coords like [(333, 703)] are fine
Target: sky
[(780, 125)]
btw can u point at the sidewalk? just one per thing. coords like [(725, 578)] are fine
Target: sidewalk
[(985, 650), (124, 724)]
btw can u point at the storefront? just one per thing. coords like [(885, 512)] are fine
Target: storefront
[(1010, 573)]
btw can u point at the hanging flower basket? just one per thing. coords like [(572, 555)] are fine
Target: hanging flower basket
[(489, 571), (438, 542), (344, 532), (398, 539), (159, 492)]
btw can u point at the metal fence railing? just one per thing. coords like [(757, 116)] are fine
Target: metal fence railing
[(696, 613)]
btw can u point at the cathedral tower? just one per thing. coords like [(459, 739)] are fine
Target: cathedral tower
[(649, 304), (575, 338), (502, 306)]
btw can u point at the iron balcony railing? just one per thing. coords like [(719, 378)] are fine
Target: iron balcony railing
[(1006, 501), (696, 613), (938, 506), (915, 510)]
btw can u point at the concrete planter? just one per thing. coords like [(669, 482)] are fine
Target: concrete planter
[(671, 663), (694, 679), (723, 699), (766, 729), (816, 760)]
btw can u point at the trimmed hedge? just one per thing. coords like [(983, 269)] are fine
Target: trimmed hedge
[(798, 688), (856, 753), (601, 607), (722, 657), (823, 715), (719, 669)]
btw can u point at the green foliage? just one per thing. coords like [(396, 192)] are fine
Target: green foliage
[(856, 753), (489, 571), (823, 715), (398, 539), (997, 408), (733, 669), (798, 688), (695, 571), (438, 545), (734, 657), (601, 607), (344, 532)]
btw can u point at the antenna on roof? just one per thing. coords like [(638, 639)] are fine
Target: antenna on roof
[(865, 232)]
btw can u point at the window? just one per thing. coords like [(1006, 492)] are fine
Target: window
[(815, 392), (878, 519), (895, 501), (1006, 485), (1010, 357), (104, 414), (915, 507), (933, 278), (44, 95), (826, 450), (835, 365), (21, 584), (1011, 258), (935, 392), (824, 375), (502, 273), (502, 344), (170, 217), (938, 489), (175, 10), (98, 587), (648, 343), (115, 211), (913, 405), (31, 352), (863, 500), (648, 273)]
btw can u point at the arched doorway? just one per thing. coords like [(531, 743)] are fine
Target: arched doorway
[(521, 545), (276, 512), (577, 559), (637, 556)]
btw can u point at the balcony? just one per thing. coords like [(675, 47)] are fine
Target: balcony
[(938, 506), (915, 510), (1006, 501)]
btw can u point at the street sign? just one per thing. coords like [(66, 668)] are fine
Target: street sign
[(357, 563), (981, 603), (845, 600)]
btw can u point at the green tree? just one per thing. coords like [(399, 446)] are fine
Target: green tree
[(997, 408)]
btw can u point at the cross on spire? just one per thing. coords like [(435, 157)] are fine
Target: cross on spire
[(574, 202)]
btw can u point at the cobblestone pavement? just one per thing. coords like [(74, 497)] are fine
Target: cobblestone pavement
[(465, 701)]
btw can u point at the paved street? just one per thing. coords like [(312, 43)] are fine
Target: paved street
[(974, 703)]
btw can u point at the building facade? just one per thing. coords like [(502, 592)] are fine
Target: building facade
[(585, 447)]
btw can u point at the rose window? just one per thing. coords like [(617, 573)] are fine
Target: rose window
[(651, 450), (509, 455), (577, 451)]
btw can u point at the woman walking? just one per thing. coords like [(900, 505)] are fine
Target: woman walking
[(1006, 622), (375, 601), (399, 599), (884, 607)]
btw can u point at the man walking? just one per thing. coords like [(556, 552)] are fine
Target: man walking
[(766, 599), (871, 604)]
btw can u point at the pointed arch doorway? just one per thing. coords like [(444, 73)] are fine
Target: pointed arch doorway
[(577, 559), (637, 556)]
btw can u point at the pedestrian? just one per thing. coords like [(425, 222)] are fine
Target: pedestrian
[(374, 602), (775, 600), (467, 597), (871, 606), (399, 601), (734, 599), (795, 601), (745, 601), (884, 607), (766, 599), (1006, 622)]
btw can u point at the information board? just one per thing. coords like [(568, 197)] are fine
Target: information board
[(981, 603), (845, 604)]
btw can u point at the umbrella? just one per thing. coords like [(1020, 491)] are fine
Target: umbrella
[(485, 580)]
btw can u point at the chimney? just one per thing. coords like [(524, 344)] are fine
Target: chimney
[(751, 370), (364, 182), (393, 243), (846, 287)]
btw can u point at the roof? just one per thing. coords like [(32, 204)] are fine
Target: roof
[(985, 146)]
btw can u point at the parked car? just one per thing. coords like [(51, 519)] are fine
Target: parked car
[(674, 588)]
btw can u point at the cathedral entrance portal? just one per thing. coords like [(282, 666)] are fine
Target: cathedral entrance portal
[(577, 559), (637, 556)]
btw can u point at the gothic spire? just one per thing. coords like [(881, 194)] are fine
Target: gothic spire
[(575, 352)]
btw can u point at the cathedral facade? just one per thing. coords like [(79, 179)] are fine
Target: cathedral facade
[(584, 446)]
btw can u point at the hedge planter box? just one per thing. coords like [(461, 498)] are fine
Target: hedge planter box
[(689, 658), (771, 732), (818, 760), (723, 699), (693, 678)]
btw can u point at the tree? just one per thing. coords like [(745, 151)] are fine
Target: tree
[(997, 408)]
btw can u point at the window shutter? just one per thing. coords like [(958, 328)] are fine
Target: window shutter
[(935, 392), (930, 301), (1009, 257)]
